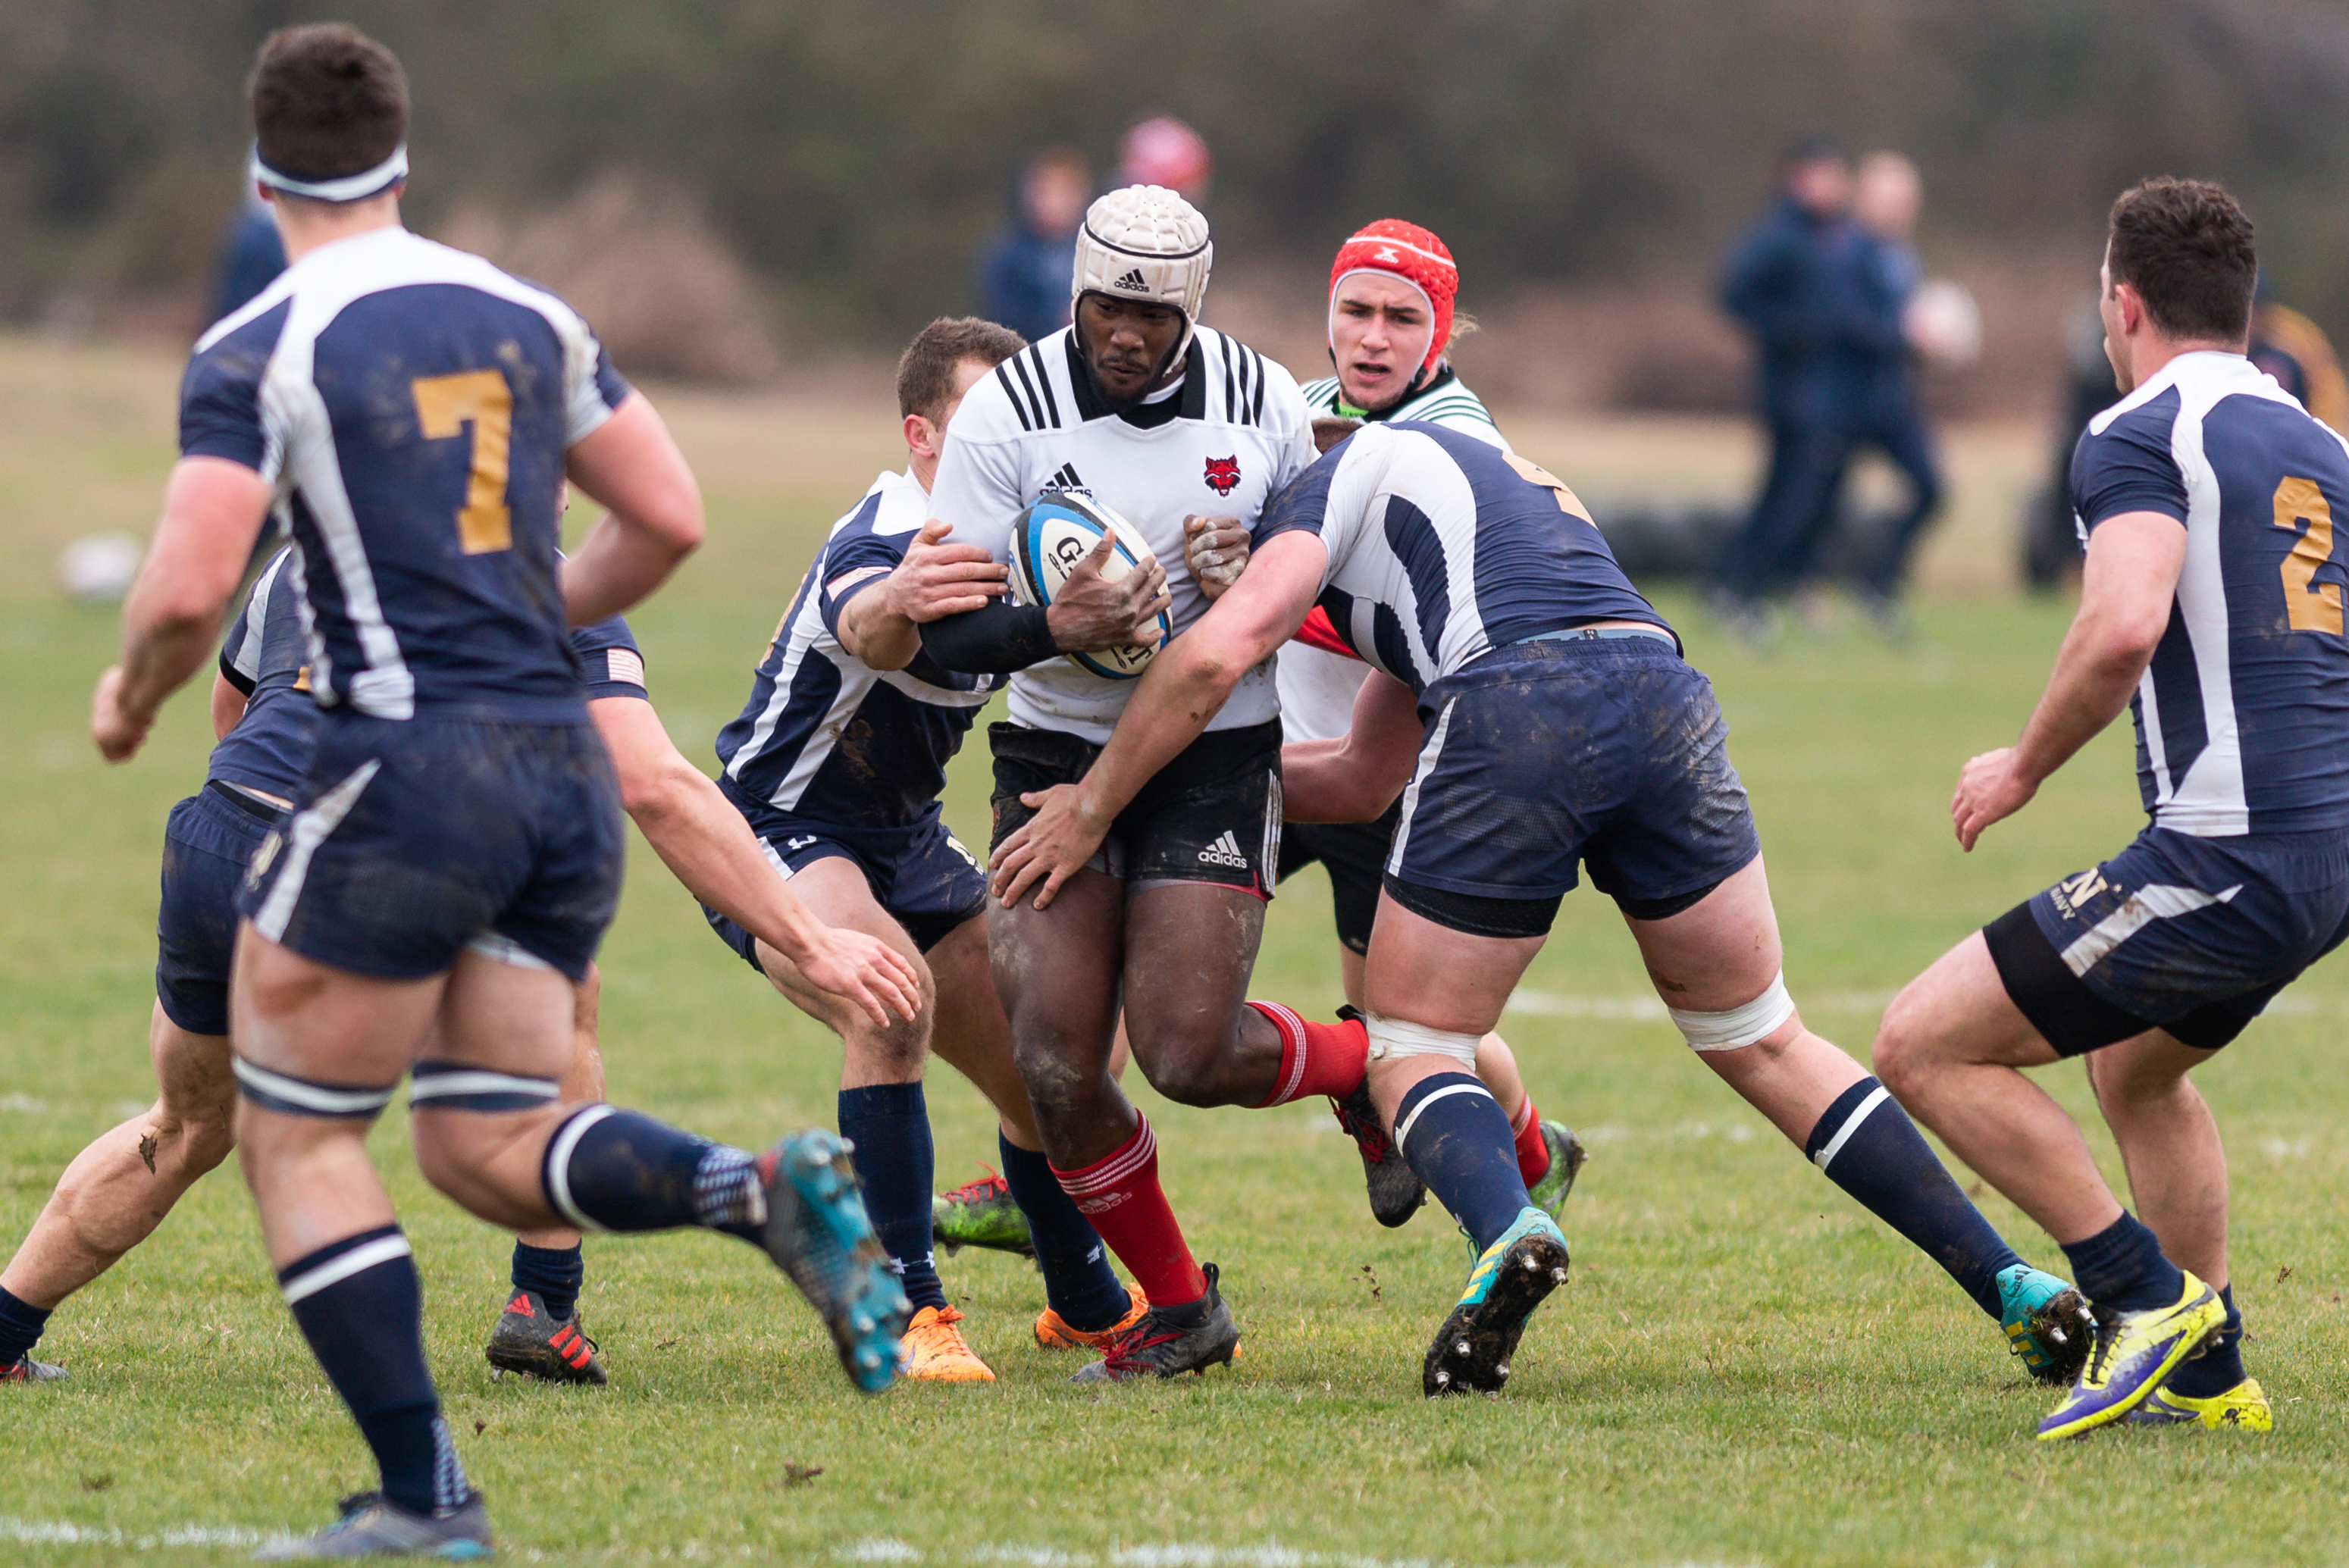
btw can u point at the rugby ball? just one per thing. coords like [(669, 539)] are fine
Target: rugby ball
[(98, 568), (1051, 540)]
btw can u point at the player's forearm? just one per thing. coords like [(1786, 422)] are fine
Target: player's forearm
[(2096, 670), (1186, 686), (616, 567), (1326, 782), (706, 844), (873, 630), (162, 655), (997, 640)]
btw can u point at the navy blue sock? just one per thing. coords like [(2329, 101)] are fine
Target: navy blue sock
[(1456, 1139), (21, 1323), (624, 1171), (554, 1272), (2220, 1365), (359, 1304), (1867, 1146), (2121, 1267), (889, 1124), (1079, 1282)]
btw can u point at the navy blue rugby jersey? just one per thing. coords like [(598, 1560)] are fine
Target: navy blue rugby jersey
[(1443, 547), (413, 406), (265, 655), (826, 736), (2242, 718)]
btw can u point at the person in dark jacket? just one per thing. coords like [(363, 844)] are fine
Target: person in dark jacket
[(1024, 271), (1798, 282), (251, 256)]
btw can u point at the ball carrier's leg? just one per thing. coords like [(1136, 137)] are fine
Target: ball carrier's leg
[(1058, 973)]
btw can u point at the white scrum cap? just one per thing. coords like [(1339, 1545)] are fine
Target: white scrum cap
[(1145, 242)]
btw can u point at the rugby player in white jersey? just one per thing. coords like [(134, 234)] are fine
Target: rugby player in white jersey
[(2210, 608), (1161, 419), (836, 761), (1541, 714)]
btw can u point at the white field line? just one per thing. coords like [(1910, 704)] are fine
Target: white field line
[(53, 1533), (1639, 1009)]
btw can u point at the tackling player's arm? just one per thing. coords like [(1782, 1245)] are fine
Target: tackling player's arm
[(2126, 589), (629, 463), (1184, 687), (1356, 777), (228, 706), (701, 838), (213, 512), (882, 623)]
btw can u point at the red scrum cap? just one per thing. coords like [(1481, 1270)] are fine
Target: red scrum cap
[(1414, 254)]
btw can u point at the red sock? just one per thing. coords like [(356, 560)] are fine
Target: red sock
[(1121, 1198), (1533, 1154), (1315, 1059)]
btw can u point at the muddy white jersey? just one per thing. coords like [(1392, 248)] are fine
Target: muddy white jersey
[(1223, 442)]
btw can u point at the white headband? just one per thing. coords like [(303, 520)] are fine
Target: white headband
[(343, 188)]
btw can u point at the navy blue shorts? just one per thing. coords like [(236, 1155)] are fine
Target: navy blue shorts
[(207, 841), (416, 839), (2189, 935), (1611, 754), (921, 875)]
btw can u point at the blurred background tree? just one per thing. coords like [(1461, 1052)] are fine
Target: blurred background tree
[(741, 173)]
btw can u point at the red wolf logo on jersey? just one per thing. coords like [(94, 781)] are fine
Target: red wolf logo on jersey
[(1224, 474)]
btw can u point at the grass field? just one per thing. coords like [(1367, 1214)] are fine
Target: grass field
[(1745, 1368)]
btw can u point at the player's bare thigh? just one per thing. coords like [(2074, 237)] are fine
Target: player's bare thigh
[(1419, 972), (970, 1033), (836, 891), (1957, 1012), (1719, 953), (294, 1015)]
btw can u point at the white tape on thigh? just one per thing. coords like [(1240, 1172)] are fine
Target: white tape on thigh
[(1393, 1037), (1739, 1026)]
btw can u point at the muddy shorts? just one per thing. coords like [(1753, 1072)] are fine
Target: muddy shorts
[(1610, 754), (208, 843), (1211, 815), (416, 839)]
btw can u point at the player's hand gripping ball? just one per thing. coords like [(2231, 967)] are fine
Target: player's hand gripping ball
[(1051, 541)]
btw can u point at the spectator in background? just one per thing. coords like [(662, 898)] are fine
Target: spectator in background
[(1886, 198), (1163, 150), (1024, 271), (250, 256), (1798, 282)]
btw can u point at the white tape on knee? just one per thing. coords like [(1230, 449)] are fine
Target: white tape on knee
[(1393, 1037), (1739, 1026)]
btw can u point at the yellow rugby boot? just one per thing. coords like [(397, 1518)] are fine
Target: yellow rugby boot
[(2132, 1357), (2242, 1408)]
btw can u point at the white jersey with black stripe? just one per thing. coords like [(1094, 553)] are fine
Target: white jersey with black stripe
[(1318, 687), (1223, 442)]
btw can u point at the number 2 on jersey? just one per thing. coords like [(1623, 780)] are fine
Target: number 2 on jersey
[(444, 406), (2307, 605)]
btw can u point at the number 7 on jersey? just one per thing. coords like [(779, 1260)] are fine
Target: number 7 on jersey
[(444, 406)]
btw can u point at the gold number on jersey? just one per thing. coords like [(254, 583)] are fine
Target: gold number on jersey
[(2309, 605), (1533, 473), (445, 405)]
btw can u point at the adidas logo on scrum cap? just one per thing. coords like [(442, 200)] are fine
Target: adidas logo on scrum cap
[(1133, 279), (1224, 851)]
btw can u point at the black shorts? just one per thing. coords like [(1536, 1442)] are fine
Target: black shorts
[(1355, 855), (1211, 815), (207, 844)]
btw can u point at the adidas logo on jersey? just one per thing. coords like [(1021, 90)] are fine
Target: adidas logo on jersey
[(1065, 479), (1224, 851), (1133, 279)]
